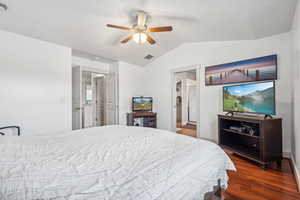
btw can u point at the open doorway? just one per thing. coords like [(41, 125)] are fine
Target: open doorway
[(185, 97), (93, 98)]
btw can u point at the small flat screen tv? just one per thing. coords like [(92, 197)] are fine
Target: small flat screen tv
[(250, 98), (142, 104)]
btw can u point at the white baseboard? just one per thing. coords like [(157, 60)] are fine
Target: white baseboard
[(287, 155), (296, 172)]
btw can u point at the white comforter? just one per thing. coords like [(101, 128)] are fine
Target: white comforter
[(114, 162)]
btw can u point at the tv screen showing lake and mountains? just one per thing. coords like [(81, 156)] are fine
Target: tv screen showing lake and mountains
[(252, 98)]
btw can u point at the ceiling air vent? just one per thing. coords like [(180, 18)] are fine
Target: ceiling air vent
[(149, 57)]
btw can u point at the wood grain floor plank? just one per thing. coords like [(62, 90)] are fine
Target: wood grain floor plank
[(251, 182)]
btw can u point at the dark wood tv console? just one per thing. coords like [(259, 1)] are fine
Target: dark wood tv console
[(257, 139), (147, 119)]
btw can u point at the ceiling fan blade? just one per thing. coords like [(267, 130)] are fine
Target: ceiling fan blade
[(126, 39), (160, 29), (118, 27), (150, 40)]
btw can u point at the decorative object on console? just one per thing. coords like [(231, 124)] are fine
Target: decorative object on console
[(235, 128), (138, 121), (257, 69), (248, 129), (242, 128)]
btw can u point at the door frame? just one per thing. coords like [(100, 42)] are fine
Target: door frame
[(76, 107), (96, 101), (196, 67)]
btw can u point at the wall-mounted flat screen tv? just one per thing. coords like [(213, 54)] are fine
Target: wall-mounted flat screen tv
[(251, 98), (142, 104)]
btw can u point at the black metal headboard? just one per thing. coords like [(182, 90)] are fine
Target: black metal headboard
[(8, 127)]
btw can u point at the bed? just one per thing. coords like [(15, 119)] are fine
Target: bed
[(110, 163)]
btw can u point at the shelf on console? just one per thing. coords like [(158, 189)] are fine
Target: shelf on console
[(243, 151), (240, 133)]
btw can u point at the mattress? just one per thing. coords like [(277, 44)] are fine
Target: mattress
[(110, 163)]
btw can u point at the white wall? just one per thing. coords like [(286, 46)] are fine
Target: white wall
[(296, 88), (193, 102), (35, 79), (158, 78), (131, 81)]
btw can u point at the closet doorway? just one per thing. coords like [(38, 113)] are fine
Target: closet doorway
[(94, 98), (185, 101)]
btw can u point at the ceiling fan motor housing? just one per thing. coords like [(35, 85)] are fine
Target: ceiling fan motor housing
[(141, 18)]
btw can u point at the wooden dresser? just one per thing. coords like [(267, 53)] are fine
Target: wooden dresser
[(257, 139), (143, 119)]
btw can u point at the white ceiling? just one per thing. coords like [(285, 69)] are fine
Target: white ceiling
[(81, 24)]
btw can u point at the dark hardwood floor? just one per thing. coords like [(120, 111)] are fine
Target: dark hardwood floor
[(251, 182)]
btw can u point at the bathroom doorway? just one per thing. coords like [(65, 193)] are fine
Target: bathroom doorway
[(185, 98)]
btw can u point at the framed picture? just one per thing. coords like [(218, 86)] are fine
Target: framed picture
[(257, 69)]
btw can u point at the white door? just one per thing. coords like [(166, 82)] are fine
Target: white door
[(76, 98), (100, 101), (111, 99)]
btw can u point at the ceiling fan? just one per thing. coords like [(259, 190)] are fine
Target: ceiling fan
[(140, 30)]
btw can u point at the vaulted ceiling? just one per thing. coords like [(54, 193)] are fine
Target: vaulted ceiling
[(81, 24)]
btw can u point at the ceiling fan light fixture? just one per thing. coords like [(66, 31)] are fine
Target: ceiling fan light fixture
[(139, 38), (140, 31)]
